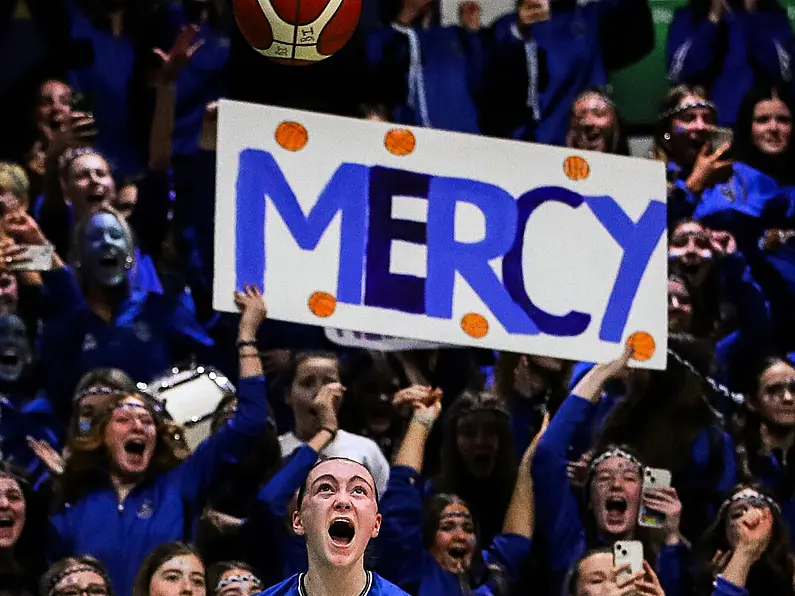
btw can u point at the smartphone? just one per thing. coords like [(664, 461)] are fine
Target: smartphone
[(721, 136), (37, 258), (628, 553), (653, 479)]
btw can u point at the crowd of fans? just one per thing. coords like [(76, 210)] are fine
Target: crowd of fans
[(497, 473)]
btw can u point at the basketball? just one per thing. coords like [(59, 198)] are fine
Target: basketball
[(322, 304), (291, 136), (576, 168), (642, 344), (297, 32), (475, 325), (400, 141)]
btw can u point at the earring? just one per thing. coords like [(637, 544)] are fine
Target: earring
[(667, 136), (128, 262)]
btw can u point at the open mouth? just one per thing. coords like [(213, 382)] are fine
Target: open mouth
[(9, 358), (6, 522), (616, 505), (135, 447), (457, 552), (341, 532), (96, 197), (110, 260)]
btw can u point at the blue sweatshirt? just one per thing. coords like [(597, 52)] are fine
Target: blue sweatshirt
[(294, 586), (729, 57), (20, 419), (746, 205), (575, 49), (402, 557), (432, 77), (147, 332), (559, 530), (161, 509), (726, 588)]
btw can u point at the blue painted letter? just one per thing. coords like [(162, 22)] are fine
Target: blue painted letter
[(638, 240), (446, 256), (405, 293), (259, 176), (571, 324)]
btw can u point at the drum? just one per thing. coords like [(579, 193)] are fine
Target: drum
[(191, 396)]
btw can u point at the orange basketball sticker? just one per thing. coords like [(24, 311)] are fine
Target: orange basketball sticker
[(642, 345), (322, 304), (576, 168), (400, 141), (475, 325), (292, 136)]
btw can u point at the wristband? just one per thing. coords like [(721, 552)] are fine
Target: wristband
[(425, 419)]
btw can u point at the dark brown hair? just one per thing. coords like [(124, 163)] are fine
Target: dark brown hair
[(154, 560)]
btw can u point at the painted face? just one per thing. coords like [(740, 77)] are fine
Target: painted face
[(15, 353), (310, 376), (54, 107), (9, 292), (180, 576), (771, 126), (478, 442), (594, 577), (131, 437), (615, 496), (455, 540), (776, 397), (12, 512), (107, 250), (81, 583), (690, 129), (593, 124), (690, 246), (339, 513), (88, 183), (680, 307), (238, 582)]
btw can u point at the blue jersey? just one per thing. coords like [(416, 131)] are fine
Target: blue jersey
[(375, 586)]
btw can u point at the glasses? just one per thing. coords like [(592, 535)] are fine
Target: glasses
[(92, 590), (779, 390)]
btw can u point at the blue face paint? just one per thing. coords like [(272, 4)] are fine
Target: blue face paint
[(85, 426), (15, 352), (107, 250)]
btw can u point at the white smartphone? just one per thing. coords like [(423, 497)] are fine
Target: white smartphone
[(628, 553), (653, 479), (37, 257), (721, 136)]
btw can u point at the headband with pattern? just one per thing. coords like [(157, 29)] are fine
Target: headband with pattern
[(71, 571), (232, 579), (614, 452), (686, 106), (749, 494)]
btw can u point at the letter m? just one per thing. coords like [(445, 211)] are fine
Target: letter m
[(260, 178)]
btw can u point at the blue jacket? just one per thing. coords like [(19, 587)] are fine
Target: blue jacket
[(20, 419), (403, 558), (726, 588), (746, 205), (146, 334), (161, 509), (729, 57), (376, 586), (541, 76), (559, 530), (432, 77)]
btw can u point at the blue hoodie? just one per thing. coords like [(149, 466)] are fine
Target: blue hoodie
[(541, 75), (432, 77), (161, 509), (729, 57), (403, 558)]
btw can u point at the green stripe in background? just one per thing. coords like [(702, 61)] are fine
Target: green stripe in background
[(639, 89)]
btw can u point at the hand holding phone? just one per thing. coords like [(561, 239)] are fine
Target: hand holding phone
[(653, 479), (34, 257), (628, 554)]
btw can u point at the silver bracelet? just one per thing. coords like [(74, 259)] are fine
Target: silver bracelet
[(424, 419)]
